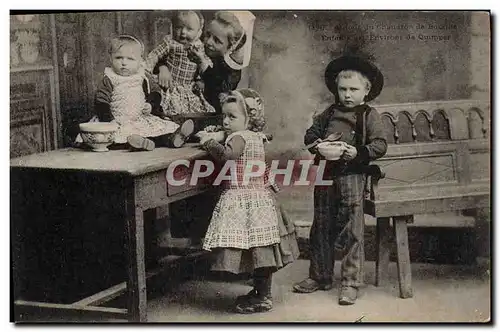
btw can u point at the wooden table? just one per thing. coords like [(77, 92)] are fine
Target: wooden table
[(138, 179)]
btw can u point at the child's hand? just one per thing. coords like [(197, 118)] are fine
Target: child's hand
[(203, 136), (211, 129), (350, 152), (198, 87), (219, 136), (159, 113), (164, 77), (146, 109), (196, 53)]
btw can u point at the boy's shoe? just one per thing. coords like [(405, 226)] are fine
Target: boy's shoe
[(140, 143), (254, 304), (310, 285), (348, 295), (182, 134)]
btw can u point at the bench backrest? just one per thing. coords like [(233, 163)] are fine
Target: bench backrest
[(436, 143)]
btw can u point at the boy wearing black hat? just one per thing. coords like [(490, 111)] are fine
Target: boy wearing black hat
[(338, 209)]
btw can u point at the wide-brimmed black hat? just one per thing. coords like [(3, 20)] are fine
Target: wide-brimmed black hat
[(359, 64)]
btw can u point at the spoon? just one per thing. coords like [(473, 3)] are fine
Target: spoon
[(331, 138)]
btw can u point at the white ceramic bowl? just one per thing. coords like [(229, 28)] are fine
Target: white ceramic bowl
[(98, 135), (331, 150)]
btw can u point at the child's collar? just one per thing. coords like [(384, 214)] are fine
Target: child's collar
[(360, 107)]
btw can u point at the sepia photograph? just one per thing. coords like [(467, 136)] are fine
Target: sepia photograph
[(250, 166)]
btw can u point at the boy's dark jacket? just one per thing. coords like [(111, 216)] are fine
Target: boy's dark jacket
[(361, 126)]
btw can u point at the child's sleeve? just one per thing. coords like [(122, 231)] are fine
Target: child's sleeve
[(269, 182), (103, 99), (376, 141), (153, 96), (232, 150), (199, 84), (317, 129), (204, 62), (155, 58)]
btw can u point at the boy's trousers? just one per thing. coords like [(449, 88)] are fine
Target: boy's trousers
[(338, 224)]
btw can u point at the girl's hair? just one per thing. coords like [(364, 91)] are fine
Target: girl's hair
[(118, 42), (253, 109), (235, 30), (179, 13), (347, 73), (230, 97)]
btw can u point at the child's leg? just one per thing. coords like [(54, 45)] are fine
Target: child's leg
[(321, 241), (173, 140), (118, 146), (352, 191), (177, 138), (259, 299), (262, 281), (140, 143), (322, 234)]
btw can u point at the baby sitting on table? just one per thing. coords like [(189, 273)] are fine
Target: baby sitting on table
[(128, 97)]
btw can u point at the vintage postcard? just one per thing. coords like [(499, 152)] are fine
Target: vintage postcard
[(250, 166)]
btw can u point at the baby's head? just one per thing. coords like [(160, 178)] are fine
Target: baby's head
[(222, 33), (242, 110), (352, 87), (126, 55), (187, 26)]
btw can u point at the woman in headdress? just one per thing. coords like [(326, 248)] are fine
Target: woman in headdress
[(227, 49)]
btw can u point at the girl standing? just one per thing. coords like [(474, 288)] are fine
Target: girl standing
[(247, 231)]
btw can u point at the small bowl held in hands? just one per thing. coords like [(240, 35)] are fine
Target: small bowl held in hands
[(98, 135), (331, 150)]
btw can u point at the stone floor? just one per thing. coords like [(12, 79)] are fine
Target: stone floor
[(442, 293)]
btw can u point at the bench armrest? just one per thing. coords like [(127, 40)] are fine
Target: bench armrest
[(374, 174)]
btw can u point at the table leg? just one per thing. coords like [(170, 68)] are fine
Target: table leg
[(136, 284)]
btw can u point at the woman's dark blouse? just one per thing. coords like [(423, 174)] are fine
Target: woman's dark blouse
[(218, 79)]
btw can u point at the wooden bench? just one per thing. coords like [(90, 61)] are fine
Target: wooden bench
[(437, 161)]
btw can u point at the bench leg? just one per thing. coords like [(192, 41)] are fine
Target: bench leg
[(383, 251), (403, 255)]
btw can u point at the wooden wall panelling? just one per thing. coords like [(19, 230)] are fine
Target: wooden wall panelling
[(54, 91), (72, 81), (34, 99), (98, 28), (137, 24), (160, 25), (32, 111), (28, 132)]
